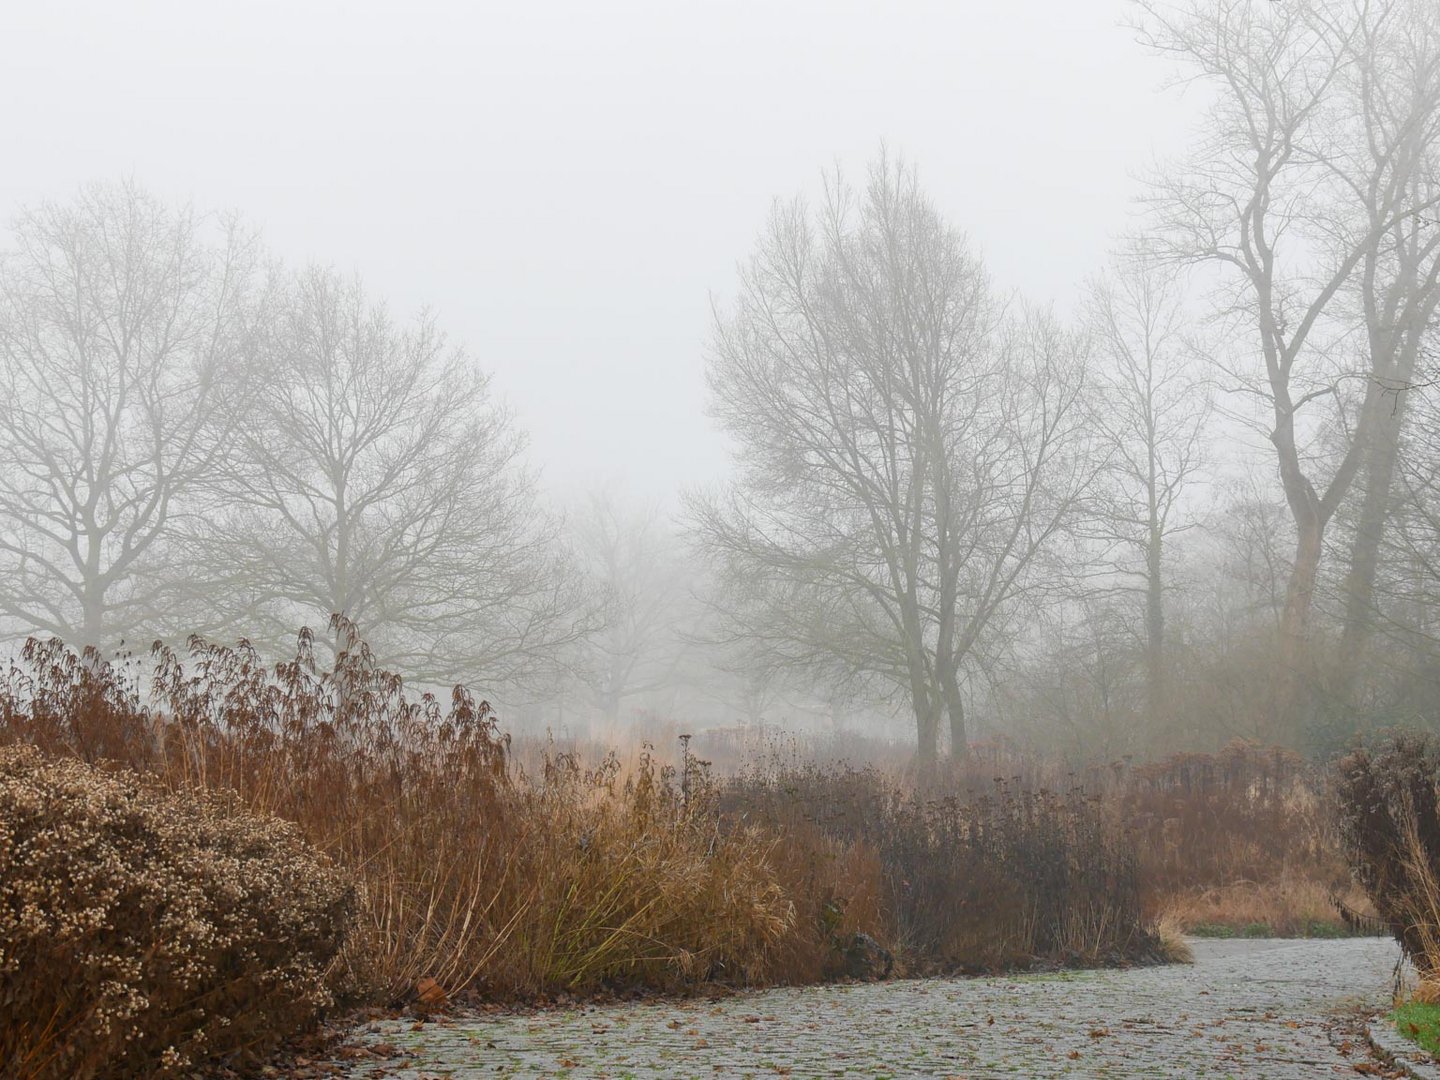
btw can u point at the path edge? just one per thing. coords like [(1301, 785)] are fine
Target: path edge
[(1383, 1038)]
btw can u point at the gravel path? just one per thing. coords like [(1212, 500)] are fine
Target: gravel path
[(1245, 1009)]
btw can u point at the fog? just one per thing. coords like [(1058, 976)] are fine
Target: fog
[(1167, 474), (566, 185)]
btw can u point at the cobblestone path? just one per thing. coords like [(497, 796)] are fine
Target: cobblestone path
[(1245, 1009)]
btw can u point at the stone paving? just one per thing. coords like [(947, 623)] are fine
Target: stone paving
[(1245, 1009)]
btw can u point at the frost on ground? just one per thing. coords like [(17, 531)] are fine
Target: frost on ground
[(1245, 1009)]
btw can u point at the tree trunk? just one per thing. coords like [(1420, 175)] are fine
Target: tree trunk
[(927, 723), (928, 729), (922, 698), (1365, 556), (92, 619), (1382, 452), (1154, 631), (955, 708), (1295, 626)]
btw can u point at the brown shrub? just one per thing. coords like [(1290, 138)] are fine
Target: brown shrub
[(1389, 807), (141, 931), (1247, 813), (1243, 841)]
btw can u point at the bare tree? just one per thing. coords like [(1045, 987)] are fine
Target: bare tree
[(634, 560), (1152, 415), (375, 478), (904, 448), (1309, 192), (124, 326)]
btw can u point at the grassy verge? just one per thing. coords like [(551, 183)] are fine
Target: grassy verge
[(1420, 1023), (1330, 929), (1289, 908)]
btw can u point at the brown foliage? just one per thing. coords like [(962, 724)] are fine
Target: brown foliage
[(477, 877), (965, 881), (472, 873), (1389, 809), (1249, 813)]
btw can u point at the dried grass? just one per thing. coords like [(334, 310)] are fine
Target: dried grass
[(1239, 842), (1288, 907), (1174, 948)]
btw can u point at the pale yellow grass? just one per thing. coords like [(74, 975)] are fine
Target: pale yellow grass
[(1288, 907)]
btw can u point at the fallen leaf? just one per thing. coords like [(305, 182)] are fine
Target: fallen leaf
[(431, 993)]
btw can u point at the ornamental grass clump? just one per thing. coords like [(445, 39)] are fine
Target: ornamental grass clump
[(630, 880), (143, 932)]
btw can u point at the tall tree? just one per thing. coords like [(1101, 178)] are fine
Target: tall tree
[(1394, 81), (1306, 192), (904, 448), (376, 478), (125, 326), (1152, 415)]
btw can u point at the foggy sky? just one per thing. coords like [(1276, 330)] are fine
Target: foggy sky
[(568, 184)]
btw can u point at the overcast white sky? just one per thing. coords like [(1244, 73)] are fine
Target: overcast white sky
[(567, 184)]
